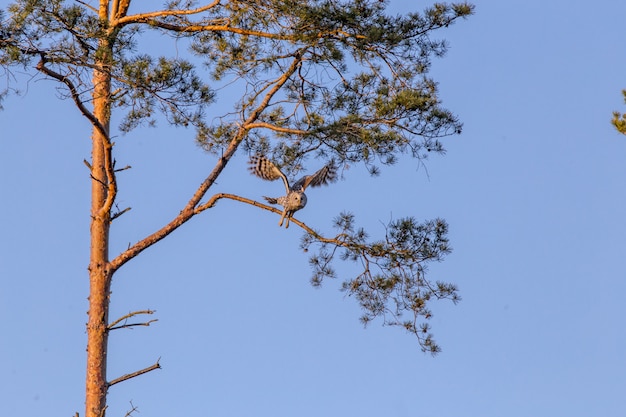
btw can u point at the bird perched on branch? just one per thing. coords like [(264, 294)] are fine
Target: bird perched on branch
[(295, 198)]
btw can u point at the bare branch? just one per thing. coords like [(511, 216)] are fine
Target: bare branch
[(213, 200), (134, 374), (123, 169), (119, 213), (41, 66), (129, 315), (132, 410), (126, 326)]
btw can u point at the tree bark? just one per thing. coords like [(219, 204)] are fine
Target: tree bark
[(100, 273)]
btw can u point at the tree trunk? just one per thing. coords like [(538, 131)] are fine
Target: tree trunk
[(99, 270)]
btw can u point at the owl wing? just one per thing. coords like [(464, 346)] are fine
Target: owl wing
[(324, 176), (264, 168)]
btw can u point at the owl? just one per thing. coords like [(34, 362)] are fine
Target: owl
[(295, 198)]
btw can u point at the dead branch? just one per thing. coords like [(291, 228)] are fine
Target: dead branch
[(134, 374), (132, 410), (112, 326), (119, 213), (126, 326), (122, 169)]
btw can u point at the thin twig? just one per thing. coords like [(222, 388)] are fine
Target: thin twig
[(125, 326), (132, 410), (122, 169), (94, 10), (129, 315), (134, 374), (119, 213)]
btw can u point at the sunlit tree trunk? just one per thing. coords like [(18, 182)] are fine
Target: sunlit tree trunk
[(99, 269)]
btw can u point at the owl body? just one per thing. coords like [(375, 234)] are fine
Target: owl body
[(293, 201), (295, 198)]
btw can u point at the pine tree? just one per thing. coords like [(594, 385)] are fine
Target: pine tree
[(331, 80)]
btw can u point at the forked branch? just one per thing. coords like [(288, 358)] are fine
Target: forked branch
[(392, 280), (191, 208)]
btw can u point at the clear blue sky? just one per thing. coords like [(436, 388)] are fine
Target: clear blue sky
[(533, 191)]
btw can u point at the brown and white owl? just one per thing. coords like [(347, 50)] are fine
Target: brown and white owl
[(295, 198)]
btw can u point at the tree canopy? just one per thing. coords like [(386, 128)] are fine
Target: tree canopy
[(334, 78)]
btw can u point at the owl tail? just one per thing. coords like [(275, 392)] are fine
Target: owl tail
[(270, 200)]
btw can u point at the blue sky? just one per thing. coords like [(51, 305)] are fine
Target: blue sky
[(533, 191)]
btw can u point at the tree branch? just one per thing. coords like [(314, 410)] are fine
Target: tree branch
[(132, 410), (192, 28), (213, 200), (119, 8), (190, 209), (113, 326), (119, 213), (151, 19), (392, 280), (142, 16), (111, 180), (134, 374), (111, 177), (275, 128), (41, 66), (87, 5), (126, 326), (123, 169)]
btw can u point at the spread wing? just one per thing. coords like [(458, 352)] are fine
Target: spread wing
[(264, 168), (324, 176)]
